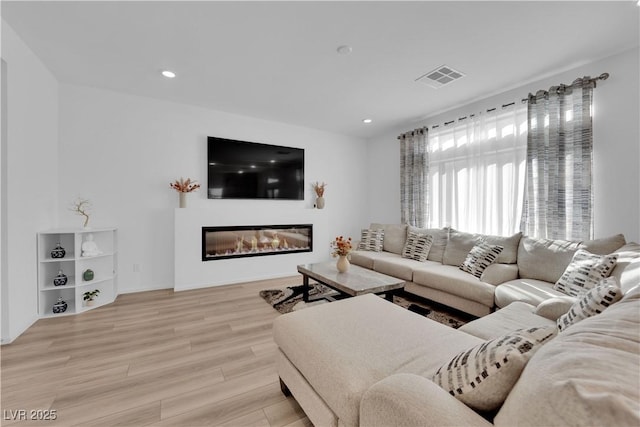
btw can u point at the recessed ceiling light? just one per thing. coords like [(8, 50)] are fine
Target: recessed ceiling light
[(367, 121), (168, 74), (344, 49)]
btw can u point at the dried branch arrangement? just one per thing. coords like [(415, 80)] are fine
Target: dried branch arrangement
[(184, 185), (81, 207)]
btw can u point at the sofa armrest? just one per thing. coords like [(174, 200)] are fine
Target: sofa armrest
[(554, 307), (412, 400), (499, 273)]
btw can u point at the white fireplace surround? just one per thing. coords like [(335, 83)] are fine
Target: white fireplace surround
[(192, 273)]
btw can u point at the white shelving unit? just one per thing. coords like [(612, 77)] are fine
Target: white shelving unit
[(73, 265)]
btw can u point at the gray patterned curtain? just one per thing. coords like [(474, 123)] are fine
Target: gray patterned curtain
[(413, 177), (558, 198)]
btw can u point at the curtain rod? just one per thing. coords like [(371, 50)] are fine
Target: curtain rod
[(603, 76)]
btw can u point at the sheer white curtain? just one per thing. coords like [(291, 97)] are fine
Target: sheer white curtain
[(477, 172)]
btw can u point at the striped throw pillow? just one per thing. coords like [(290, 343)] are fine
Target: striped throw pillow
[(371, 240), (481, 256), (417, 246), (483, 376), (584, 272), (591, 303)]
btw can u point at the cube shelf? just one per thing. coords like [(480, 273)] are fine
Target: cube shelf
[(73, 265)]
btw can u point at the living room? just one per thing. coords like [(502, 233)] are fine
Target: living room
[(64, 136)]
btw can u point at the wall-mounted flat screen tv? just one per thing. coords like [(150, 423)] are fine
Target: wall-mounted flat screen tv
[(249, 170)]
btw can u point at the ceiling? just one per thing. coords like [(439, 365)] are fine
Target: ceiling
[(279, 61)]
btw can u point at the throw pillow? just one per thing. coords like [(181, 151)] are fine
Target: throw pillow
[(483, 376), (371, 240), (480, 257), (417, 246), (585, 271), (593, 302)]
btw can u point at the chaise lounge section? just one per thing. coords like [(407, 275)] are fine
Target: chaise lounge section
[(364, 361)]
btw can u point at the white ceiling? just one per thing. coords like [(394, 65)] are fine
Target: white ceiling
[(278, 60)]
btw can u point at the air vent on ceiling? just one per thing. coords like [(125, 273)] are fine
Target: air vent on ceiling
[(441, 76)]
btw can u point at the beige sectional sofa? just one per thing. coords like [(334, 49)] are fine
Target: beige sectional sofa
[(526, 270), (364, 361)]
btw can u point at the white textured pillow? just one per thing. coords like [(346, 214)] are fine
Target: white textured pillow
[(593, 302), (483, 376), (554, 307), (417, 246), (481, 256), (371, 240), (584, 272)]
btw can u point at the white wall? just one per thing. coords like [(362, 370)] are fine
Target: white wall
[(30, 181), (616, 139), (121, 152)]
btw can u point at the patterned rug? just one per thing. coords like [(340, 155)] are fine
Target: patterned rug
[(289, 299)]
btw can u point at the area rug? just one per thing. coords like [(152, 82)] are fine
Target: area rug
[(289, 299)]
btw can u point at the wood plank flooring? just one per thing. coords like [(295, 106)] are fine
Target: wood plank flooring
[(195, 358)]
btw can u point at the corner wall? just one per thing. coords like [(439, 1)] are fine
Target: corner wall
[(121, 151), (616, 137), (29, 177)]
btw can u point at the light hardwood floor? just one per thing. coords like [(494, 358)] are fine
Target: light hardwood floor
[(194, 358)]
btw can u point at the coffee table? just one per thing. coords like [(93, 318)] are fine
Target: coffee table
[(355, 281)]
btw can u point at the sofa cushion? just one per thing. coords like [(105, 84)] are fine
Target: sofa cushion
[(554, 307), (460, 243), (605, 245), (593, 302), (395, 236), (509, 254), (458, 246), (517, 315), (371, 240), (481, 256), (440, 237), (366, 258), (584, 272), (496, 274), (544, 259), (345, 347), (401, 268), (483, 376), (627, 269), (452, 280), (587, 376), (531, 291), (417, 246)]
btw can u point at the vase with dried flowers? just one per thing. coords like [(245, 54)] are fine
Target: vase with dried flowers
[(341, 248), (319, 189), (184, 186), (81, 206)]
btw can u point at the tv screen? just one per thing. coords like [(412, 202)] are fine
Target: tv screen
[(248, 170)]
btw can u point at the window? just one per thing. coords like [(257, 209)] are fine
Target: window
[(476, 172)]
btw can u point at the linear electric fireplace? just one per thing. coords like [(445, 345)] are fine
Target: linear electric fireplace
[(255, 240)]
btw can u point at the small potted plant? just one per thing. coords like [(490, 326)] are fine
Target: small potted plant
[(90, 296)]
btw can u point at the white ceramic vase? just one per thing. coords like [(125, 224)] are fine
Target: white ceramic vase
[(183, 199), (343, 264), (320, 202)]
